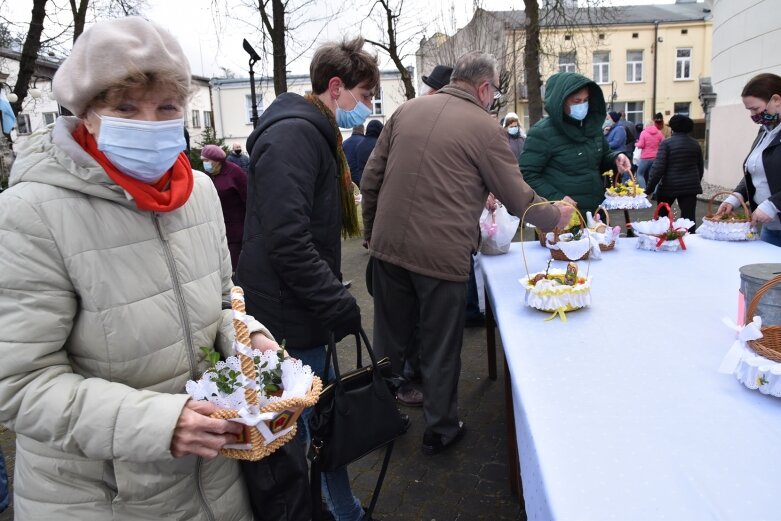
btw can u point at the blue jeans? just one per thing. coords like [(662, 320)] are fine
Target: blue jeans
[(771, 236), (4, 496), (644, 170), (336, 485)]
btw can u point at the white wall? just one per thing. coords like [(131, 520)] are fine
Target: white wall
[(746, 36)]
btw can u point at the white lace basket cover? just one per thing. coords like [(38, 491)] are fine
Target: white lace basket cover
[(753, 371), (649, 230), (726, 231), (626, 202), (558, 299)]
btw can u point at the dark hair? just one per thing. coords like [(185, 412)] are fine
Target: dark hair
[(681, 124), (346, 60), (762, 86)]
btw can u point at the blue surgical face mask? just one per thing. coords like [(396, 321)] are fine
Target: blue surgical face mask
[(208, 167), (513, 131), (144, 150), (579, 111), (352, 118)]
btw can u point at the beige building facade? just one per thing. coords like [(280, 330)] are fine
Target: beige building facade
[(232, 101), (647, 59), (746, 35)]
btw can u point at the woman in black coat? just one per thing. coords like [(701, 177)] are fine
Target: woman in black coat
[(678, 168), (364, 149)]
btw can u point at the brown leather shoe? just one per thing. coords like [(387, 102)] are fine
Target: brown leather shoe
[(410, 398)]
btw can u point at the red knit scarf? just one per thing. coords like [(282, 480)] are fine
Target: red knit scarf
[(169, 193)]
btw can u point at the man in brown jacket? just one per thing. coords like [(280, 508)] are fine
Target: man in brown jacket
[(423, 191)]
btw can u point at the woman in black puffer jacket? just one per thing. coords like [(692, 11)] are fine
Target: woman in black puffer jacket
[(678, 168)]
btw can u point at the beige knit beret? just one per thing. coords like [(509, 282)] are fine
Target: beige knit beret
[(109, 52)]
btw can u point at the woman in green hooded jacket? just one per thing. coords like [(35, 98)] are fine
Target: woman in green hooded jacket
[(566, 152)]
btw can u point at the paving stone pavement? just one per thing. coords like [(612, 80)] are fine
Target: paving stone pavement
[(466, 483)]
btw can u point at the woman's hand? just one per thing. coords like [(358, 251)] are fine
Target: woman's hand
[(263, 343), (623, 163), (197, 434), (565, 211), (724, 208), (760, 217)]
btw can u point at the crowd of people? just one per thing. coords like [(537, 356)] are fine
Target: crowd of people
[(119, 258)]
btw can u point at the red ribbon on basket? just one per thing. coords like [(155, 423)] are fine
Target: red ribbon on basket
[(680, 232)]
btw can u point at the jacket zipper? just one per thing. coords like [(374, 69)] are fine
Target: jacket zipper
[(169, 259)]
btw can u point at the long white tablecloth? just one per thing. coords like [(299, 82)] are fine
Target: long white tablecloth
[(620, 412)]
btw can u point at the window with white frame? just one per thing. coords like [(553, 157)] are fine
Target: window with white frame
[(208, 118), (602, 66), (683, 64), (634, 66), (567, 62), (23, 127), (196, 119), (377, 103), (683, 108), (49, 117), (634, 111), (248, 106)]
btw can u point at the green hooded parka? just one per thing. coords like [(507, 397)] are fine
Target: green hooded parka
[(566, 157)]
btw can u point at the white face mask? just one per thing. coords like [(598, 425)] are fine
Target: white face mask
[(144, 150)]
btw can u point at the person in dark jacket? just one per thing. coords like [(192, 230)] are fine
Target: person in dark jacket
[(300, 205), (231, 184), (516, 137), (566, 153), (350, 147), (677, 170), (760, 187), (616, 134), (5, 496), (238, 158), (364, 149)]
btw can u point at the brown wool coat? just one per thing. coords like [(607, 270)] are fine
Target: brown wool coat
[(427, 180)]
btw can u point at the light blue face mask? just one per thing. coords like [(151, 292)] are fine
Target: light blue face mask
[(579, 111), (144, 150), (513, 131), (208, 167), (352, 118)]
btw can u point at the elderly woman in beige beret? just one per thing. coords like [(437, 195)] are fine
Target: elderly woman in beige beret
[(114, 272)]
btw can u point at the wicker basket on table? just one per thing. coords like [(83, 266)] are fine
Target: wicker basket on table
[(289, 408), (731, 217), (560, 255), (769, 346), (611, 245)]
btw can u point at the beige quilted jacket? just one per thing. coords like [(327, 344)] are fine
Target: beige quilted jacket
[(103, 309)]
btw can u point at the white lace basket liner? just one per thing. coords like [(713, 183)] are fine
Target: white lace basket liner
[(755, 355), (270, 421), (650, 233), (630, 201), (730, 228), (548, 296), (625, 202)]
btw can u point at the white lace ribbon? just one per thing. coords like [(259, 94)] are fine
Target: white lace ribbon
[(739, 348)]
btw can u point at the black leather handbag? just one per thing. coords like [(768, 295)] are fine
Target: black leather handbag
[(356, 414)]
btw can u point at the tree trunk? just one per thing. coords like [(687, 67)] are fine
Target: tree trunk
[(32, 44), (278, 46), (531, 61), (79, 17)]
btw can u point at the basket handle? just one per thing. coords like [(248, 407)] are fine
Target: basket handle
[(583, 227), (751, 310), (742, 202), (243, 336), (607, 214), (617, 177), (669, 212)]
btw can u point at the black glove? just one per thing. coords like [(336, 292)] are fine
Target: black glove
[(349, 325)]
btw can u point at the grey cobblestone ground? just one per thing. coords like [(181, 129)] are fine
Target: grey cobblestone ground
[(469, 482)]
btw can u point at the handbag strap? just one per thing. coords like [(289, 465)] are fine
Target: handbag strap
[(332, 356), (317, 490)]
